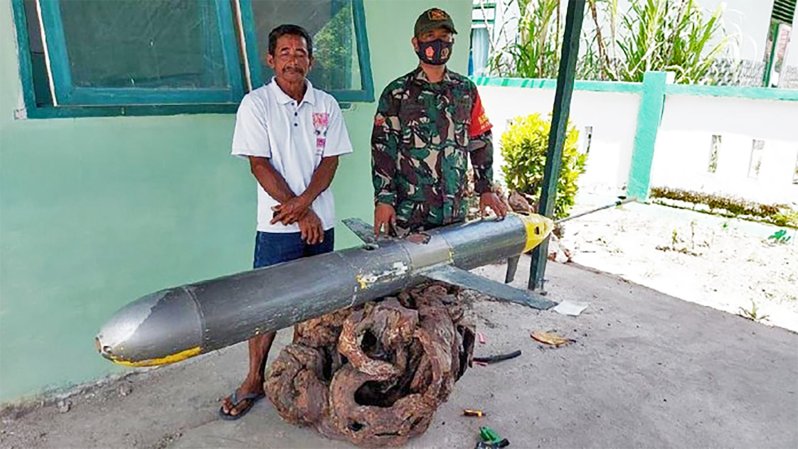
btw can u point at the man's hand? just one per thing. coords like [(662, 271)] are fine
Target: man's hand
[(291, 211), (384, 217), (310, 228), (492, 201)]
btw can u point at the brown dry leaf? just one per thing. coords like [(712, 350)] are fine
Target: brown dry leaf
[(550, 338)]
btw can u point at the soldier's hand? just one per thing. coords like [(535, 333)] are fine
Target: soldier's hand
[(291, 211), (310, 228), (384, 218), (490, 200)]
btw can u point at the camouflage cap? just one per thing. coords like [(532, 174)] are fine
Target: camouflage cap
[(431, 19)]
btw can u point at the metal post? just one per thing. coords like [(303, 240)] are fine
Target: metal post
[(562, 107)]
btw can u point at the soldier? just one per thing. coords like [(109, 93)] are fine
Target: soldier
[(428, 123)]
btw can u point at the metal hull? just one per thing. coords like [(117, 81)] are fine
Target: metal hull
[(185, 321)]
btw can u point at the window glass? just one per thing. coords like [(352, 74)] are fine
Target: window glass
[(331, 26)]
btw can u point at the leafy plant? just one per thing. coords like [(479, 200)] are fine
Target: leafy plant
[(536, 51), (752, 313), (780, 236), (665, 35), (677, 244), (333, 45), (778, 214), (524, 147), (786, 217), (659, 35)]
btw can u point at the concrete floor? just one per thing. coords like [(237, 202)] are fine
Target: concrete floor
[(646, 370)]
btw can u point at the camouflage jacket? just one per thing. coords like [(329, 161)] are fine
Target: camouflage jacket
[(423, 136)]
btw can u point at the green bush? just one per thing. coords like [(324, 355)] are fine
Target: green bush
[(524, 147), (778, 214)]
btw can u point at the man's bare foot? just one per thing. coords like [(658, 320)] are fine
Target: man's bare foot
[(238, 403), (251, 390)]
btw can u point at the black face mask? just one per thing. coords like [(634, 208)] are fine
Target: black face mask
[(436, 52)]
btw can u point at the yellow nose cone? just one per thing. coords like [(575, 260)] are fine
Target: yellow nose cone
[(538, 228)]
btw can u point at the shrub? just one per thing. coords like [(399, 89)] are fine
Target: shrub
[(778, 214), (524, 147)]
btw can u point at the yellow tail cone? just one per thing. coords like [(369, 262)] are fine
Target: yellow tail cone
[(538, 228)]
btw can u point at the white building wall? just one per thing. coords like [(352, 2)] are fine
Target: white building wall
[(612, 116), (791, 59), (505, 25), (751, 19), (684, 141), (790, 72), (748, 19)]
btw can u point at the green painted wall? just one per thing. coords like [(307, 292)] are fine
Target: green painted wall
[(649, 117), (95, 212)]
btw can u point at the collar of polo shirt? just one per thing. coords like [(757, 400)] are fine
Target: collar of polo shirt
[(283, 97)]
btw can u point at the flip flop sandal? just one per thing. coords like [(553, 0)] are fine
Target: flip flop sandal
[(251, 397)]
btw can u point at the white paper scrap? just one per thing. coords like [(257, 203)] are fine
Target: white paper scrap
[(570, 308)]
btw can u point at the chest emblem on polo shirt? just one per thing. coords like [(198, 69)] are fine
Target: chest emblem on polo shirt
[(320, 122)]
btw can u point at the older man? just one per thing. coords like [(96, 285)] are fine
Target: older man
[(428, 124), (292, 135)]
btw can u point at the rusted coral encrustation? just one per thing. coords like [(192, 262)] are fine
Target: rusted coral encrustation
[(375, 375)]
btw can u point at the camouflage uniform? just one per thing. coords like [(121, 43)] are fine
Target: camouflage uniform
[(423, 135)]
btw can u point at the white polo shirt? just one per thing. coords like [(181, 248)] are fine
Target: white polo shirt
[(294, 137)]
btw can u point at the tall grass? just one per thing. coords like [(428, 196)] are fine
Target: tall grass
[(536, 51), (666, 35)]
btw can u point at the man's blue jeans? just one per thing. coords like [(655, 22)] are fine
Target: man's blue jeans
[(276, 247)]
